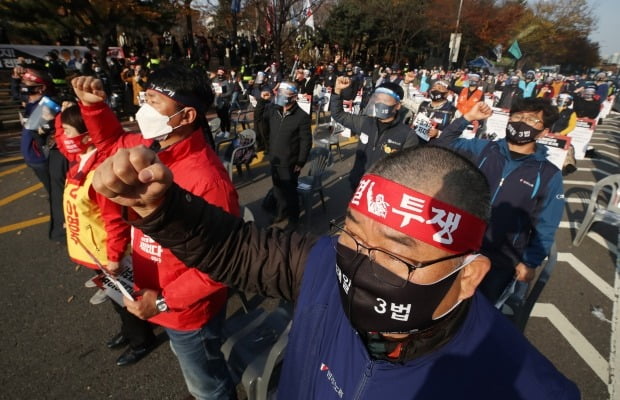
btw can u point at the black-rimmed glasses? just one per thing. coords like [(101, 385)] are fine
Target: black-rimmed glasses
[(387, 267)]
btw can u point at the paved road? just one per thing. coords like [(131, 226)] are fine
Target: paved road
[(53, 339)]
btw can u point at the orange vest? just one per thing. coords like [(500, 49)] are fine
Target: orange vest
[(467, 100), (84, 222)]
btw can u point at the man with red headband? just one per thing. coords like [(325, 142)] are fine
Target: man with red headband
[(386, 309), (37, 142), (186, 302)]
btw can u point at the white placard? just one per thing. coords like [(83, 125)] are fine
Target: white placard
[(496, 124), (557, 148), (581, 136), (303, 103), (606, 107), (422, 125)]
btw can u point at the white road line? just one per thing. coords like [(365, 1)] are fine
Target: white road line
[(606, 145), (579, 183), (589, 169), (614, 357), (610, 154), (588, 274), (592, 235), (612, 163), (586, 351)]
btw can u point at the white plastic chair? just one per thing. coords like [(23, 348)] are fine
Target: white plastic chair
[(609, 213)]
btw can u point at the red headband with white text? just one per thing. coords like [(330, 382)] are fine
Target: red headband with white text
[(417, 215)]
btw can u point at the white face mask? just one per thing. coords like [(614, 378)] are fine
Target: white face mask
[(152, 124)]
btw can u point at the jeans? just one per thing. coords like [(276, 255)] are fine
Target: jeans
[(202, 362)]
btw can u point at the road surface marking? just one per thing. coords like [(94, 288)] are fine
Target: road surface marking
[(10, 159), (584, 349), (13, 170), (592, 235), (24, 224), (588, 274), (20, 194)]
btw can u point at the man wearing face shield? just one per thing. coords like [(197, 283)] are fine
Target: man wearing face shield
[(510, 92), (290, 141), (386, 309), (527, 190), (37, 143), (381, 129), (586, 102), (187, 303)]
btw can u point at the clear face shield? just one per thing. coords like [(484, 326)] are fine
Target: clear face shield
[(287, 94), (588, 94), (383, 104), (43, 114), (564, 100)]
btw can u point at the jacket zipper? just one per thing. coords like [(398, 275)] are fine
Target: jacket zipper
[(365, 378), (92, 236)]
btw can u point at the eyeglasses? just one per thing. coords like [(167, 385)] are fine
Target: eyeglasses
[(385, 266), (531, 121)]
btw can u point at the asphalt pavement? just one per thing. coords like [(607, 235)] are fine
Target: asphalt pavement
[(53, 339)]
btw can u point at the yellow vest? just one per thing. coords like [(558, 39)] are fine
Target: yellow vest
[(84, 222)]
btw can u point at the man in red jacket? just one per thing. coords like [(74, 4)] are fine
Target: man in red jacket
[(186, 302)]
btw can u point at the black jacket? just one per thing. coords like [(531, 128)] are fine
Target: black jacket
[(290, 139), (373, 144)]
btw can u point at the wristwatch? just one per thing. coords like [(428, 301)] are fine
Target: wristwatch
[(161, 304)]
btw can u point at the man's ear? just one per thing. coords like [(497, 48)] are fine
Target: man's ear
[(189, 116), (471, 276)]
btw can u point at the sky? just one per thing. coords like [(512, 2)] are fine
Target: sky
[(608, 33)]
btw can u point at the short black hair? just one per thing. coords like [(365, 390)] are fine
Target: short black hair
[(441, 173), (186, 82), (536, 104)]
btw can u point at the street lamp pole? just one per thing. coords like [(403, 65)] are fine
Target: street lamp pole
[(455, 39)]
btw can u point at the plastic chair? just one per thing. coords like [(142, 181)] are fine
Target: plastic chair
[(214, 124), (328, 136), (243, 152), (308, 185), (243, 117), (609, 213), (255, 350), (519, 311)]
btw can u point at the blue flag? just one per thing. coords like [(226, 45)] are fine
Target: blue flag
[(515, 50)]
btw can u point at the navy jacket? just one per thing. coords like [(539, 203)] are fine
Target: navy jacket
[(485, 359), (527, 198), (373, 145)]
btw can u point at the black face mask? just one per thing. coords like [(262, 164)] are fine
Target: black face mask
[(220, 77), (436, 95), (521, 133), (383, 111), (28, 90), (374, 306)]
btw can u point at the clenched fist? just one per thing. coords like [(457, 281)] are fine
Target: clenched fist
[(88, 89), (341, 83), (134, 178)]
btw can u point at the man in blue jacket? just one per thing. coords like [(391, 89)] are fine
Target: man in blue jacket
[(526, 190), (386, 309)]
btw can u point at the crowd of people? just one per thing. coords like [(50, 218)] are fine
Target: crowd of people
[(436, 230)]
